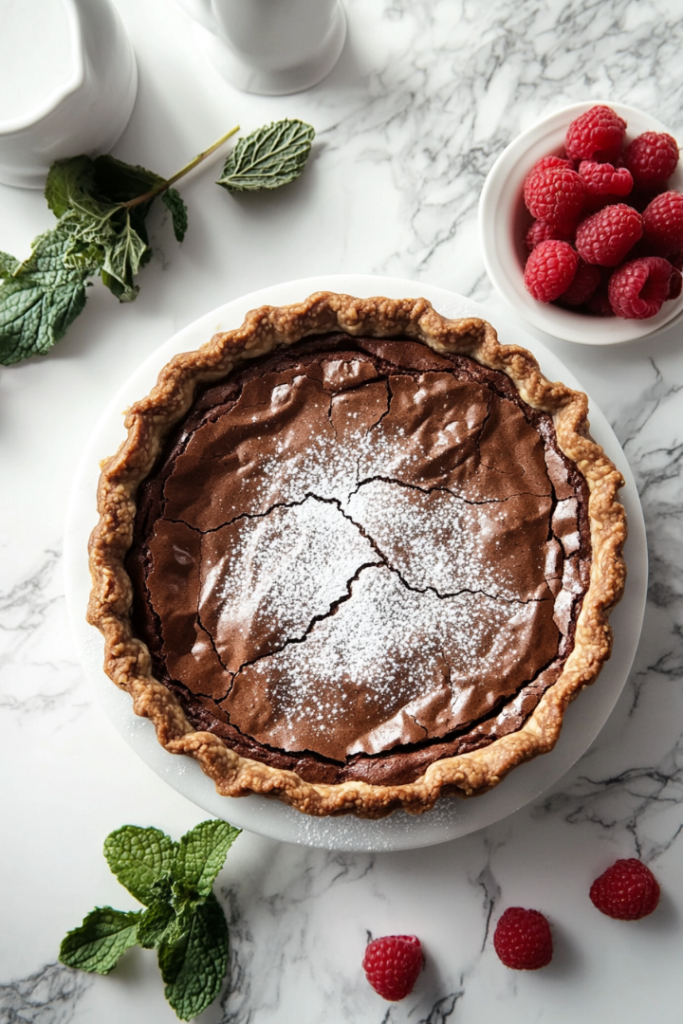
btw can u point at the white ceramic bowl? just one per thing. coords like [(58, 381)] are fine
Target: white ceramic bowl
[(503, 221)]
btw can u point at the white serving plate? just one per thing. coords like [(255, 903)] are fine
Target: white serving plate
[(502, 230), (451, 817)]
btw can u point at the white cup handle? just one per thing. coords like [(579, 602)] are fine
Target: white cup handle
[(202, 12)]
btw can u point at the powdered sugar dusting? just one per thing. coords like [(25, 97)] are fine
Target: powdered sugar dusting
[(391, 652), (355, 605), (271, 575), (437, 540)]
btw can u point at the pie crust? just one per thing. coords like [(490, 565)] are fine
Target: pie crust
[(127, 658)]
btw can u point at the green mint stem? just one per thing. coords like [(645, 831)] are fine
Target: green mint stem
[(181, 173)]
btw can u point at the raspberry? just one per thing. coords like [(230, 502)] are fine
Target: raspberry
[(606, 236), (599, 303), (596, 135), (392, 965), (639, 288), (675, 283), (550, 270), (555, 194), (627, 891), (603, 181), (586, 280), (522, 939), (551, 161), (542, 230), (663, 223), (651, 158)]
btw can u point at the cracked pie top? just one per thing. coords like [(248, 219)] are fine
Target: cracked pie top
[(356, 555)]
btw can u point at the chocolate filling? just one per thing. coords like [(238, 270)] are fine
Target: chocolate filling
[(355, 557)]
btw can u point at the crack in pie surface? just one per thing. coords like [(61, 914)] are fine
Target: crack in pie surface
[(370, 562)]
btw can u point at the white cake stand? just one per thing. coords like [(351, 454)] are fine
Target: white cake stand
[(451, 817)]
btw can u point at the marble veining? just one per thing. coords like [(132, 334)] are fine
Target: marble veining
[(628, 802), (460, 80), (49, 996), (422, 101), (39, 673)]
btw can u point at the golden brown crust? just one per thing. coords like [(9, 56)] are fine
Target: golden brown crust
[(127, 660)]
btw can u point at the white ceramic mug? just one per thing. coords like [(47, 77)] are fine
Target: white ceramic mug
[(271, 47), (68, 82)]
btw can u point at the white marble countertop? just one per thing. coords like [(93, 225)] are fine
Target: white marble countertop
[(425, 96)]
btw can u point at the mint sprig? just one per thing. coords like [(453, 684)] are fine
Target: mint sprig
[(102, 206), (183, 921)]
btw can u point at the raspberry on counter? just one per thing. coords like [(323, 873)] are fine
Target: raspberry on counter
[(392, 965), (523, 940), (627, 891)]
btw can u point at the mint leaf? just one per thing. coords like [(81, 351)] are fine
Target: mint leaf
[(41, 298), (194, 966), (90, 220), (35, 315), (119, 182), (201, 855), (8, 264), (68, 180), (99, 942), (88, 196), (173, 200), (94, 225), (141, 859), (123, 259), (155, 924), (172, 954), (269, 157), (46, 262), (80, 256), (102, 231)]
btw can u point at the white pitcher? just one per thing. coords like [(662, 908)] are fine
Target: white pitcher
[(68, 82), (271, 47)]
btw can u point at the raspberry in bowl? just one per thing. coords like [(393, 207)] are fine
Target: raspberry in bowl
[(520, 212)]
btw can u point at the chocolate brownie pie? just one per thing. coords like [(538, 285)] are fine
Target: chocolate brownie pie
[(357, 556)]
